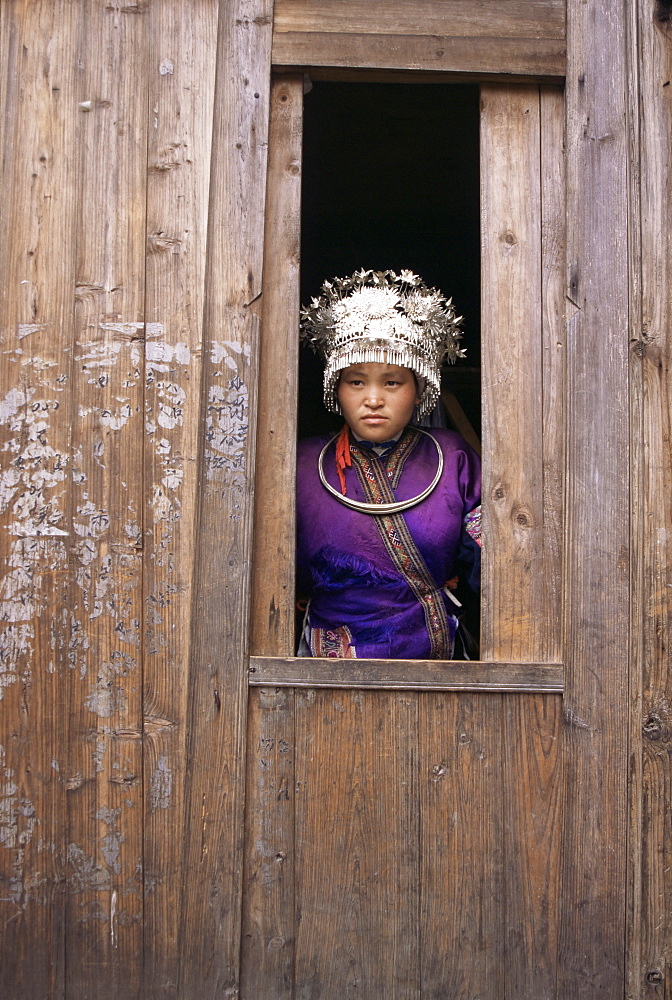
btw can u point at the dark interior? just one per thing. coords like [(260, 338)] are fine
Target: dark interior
[(391, 180)]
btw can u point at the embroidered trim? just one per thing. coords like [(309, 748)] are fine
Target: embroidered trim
[(332, 643), (472, 524), (396, 460), (373, 475)]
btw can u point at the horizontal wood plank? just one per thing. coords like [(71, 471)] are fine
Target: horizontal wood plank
[(488, 55), (416, 675), (513, 19)]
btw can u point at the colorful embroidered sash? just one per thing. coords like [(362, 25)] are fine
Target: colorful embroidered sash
[(379, 477)]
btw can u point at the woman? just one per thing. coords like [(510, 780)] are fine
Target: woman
[(386, 510)]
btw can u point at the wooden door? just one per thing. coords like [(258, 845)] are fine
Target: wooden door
[(404, 819)]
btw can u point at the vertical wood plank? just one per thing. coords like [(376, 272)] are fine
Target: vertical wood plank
[(356, 868), (462, 913), (513, 591), (523, 263), (211, 904), (268, 930), (181, 78), (597, 562), (267, 953), (649, 944), (105, 848), (37, 146), (272, 621)]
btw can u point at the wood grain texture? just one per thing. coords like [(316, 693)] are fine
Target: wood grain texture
[(418, 675), (462, 905), (597, 562), (105, 842), (268, 928), (356, 869), (447, 53), (267, 952), (37, 144), (649, 943), (523, 612), (523, 257), (533, 726), (181, 80), (489, 18), (212, 837), (272, 622)]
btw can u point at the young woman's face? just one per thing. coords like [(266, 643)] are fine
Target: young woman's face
[(377, 399)]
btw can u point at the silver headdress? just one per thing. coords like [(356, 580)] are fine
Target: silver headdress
[(386, 317)]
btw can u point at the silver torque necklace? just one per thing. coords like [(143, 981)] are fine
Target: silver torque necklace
[(381, 508)]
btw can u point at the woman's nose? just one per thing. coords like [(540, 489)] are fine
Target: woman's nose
[(374, 398)]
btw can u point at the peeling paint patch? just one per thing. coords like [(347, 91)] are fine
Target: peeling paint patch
[(161, 785), (16, 645), (226, 427), (18, 822), (25, 329), (108, 696), (85, 875)]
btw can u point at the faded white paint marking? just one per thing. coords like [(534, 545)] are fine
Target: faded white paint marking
[(166, 67), (161, 785), (25, 329), (171, 399), (14, 401), (85, 874), (113, 918), (154, 329)]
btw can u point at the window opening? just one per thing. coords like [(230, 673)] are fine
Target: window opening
[(391, 180)]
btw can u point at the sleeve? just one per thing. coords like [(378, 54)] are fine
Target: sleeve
[(469, 554)]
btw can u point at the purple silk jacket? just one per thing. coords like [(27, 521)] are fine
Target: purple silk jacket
[(364, 584)]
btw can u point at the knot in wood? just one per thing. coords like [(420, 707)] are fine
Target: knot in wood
[(654, 728), (509, 239), (499, 493), (655, 977), (522, 516)]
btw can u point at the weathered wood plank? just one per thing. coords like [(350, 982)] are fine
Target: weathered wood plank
[(597, 563), (649, 943), (267, 952), (272, 622), (181, 79), (522, 235), (489, 18), (462, 914), (515, 613), (105, 849), (526, 57), (37, 144), (418, 675), (211, 903), (356, 845), (268, 928)]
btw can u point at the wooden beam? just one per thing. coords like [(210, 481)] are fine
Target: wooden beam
[(410, 675), (535, 58)]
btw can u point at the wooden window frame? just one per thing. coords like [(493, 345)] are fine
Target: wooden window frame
[(523, 517)]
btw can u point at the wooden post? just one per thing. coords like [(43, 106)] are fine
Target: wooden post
[(649, 932), (597, 559)]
